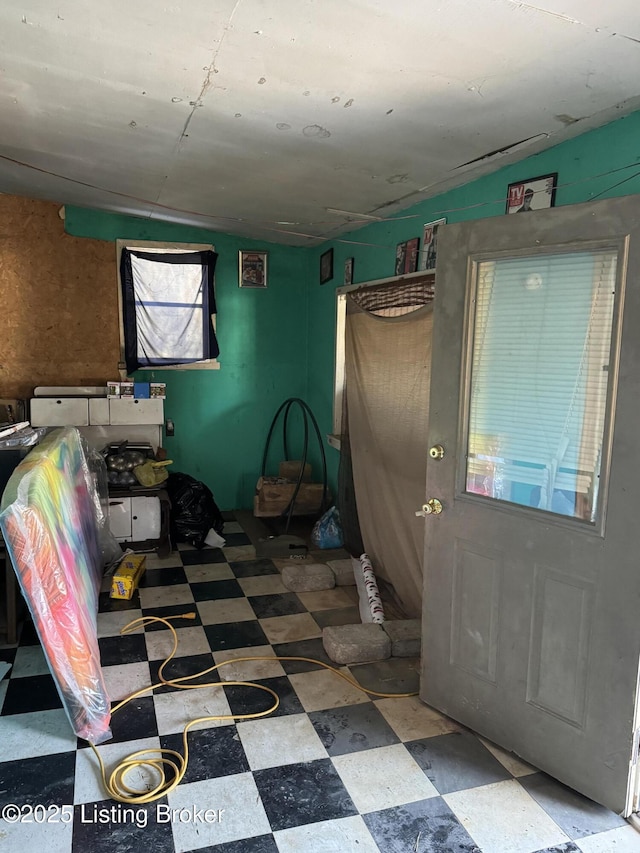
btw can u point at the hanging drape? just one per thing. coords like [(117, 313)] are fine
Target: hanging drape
[(387, 366)]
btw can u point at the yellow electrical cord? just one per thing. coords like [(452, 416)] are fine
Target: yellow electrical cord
[(157, 759)]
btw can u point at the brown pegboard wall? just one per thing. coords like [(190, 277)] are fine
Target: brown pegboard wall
[(59, 307)]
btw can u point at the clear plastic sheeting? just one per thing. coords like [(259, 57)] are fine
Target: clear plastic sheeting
[(25, 437), (48, 520), (110, 550), (327, 532)]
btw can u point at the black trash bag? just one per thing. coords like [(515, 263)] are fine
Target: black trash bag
[(193, 510)]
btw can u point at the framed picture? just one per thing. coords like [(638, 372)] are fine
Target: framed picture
[(252, 269), (401, 254), (407, 256), (532, 194), (326, 266), (348, 271), (411, 256), (430, 244)]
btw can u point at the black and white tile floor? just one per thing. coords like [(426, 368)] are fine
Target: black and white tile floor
[(331, 770)]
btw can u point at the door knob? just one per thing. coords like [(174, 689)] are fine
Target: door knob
[(432, 507), (436, 452)]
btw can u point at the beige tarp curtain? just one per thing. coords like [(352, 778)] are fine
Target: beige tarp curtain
[(388, 366)]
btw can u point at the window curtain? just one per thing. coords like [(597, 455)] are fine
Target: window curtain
[(168, 301), (388, 367)]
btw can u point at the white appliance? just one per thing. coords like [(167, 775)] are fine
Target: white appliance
[(103, 420), (135, 519), (100, 419)]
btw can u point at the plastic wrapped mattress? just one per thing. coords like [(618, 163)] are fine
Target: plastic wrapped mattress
[(48, 520)]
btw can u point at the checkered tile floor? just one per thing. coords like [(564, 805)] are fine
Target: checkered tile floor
[(331, 770)]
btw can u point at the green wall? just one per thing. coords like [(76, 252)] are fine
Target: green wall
[(222, 416), (279, 342), (578, 162)]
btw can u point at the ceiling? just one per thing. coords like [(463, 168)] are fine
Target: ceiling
[(285, 120)]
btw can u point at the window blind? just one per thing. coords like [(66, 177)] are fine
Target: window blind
[(542, 335)]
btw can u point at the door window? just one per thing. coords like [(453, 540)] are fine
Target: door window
[(539, 377)]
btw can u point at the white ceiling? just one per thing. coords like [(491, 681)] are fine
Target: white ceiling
[(242, 115)]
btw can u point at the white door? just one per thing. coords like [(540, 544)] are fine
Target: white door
[(120, 518), (145, 518), (531, 631)]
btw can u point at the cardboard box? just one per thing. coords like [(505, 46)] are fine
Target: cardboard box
[(113, 390), (158, 390), (273, 495), (290, 470), (141, 390), (127, 576)]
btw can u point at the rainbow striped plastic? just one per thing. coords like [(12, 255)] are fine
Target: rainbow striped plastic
[(48, 521)]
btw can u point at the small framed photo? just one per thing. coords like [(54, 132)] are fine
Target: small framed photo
[(407, 256), (430, 243), (326, 266), (252, 269), (348, 271), (532, 194), (411, 257)]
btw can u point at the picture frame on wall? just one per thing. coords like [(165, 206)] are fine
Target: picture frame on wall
[(407, 256), (430, 243), (411, 256), (532, 194), (252, 269), (326, 266), (348, 271)]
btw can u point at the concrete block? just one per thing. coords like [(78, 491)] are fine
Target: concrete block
[(308, 577), (343, 570), (356, 643), (405, 636)]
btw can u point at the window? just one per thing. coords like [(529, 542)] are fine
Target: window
[(167, 304), (539, 379)]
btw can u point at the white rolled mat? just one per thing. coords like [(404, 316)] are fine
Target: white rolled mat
[(370, 605)]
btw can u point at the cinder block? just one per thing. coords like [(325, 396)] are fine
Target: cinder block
[(356, 643), (405, 635), (308, 577), (343, 570)]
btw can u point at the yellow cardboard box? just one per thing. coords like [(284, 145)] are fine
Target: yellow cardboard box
[(127, 576)]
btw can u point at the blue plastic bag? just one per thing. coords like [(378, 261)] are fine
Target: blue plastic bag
[(327, 532)]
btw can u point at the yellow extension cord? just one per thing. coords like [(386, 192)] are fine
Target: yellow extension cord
[(116, 785)]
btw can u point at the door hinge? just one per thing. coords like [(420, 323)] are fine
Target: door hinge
[(636, 747)]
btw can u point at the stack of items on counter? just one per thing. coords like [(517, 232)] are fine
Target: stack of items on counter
[(139, 390)]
